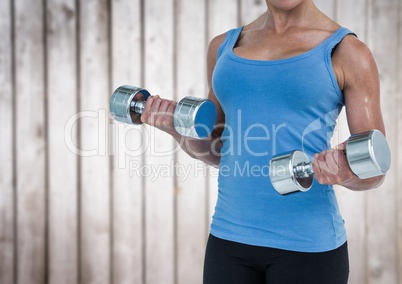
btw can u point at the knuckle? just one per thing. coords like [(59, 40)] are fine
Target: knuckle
[(158, 100), (149, 101), (172, 105), (165, 103)]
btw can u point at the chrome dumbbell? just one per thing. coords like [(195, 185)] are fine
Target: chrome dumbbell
[(367, 153), (193, 117)]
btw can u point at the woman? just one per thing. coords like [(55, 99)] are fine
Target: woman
[(279, 84)]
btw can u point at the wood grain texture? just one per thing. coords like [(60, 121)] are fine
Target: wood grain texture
[(191, 229), (328, 7), (159, 173), (62, 105), (30, 140), (397, 156), (128, 185), (95, 169), (6, 147), (251, 10), (381, 203), (87, 200)]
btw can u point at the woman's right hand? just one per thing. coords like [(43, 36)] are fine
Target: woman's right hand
[(159, 113)]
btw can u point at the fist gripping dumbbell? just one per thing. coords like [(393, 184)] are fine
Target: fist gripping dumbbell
[(367, 153), (193, 117)]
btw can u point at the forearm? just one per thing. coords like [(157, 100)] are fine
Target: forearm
[(357, 184), (206, 150)]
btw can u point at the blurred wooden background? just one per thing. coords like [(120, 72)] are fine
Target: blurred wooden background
[(84, 200)]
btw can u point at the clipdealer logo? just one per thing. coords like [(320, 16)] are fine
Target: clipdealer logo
[(245, 169), (129, 142)]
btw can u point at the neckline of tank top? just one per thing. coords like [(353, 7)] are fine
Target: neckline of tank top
[(303, 55)]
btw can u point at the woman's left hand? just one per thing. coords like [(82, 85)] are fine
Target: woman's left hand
[(331, 166)]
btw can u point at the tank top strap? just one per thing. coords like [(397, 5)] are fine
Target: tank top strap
[(230, 40), (234, 36), (332, 42), (336, 38)]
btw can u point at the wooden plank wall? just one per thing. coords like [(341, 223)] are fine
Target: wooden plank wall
[(7, 163), (30, 157), (86, 200), (62, 89)]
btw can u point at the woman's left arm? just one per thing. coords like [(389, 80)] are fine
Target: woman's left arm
[(358, 78)]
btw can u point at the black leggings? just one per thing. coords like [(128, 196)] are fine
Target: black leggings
[(231, 262)]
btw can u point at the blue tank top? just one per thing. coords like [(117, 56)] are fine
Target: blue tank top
[(273, 107)]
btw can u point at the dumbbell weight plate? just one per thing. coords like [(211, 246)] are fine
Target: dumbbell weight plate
[(282, 175), (368, 154), (121, 103), (195, 117)]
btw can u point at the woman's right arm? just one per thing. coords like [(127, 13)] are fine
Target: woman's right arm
[(158, 112), (208, 150)]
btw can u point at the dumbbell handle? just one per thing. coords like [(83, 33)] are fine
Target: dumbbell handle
[(303, 170), (137, 106)]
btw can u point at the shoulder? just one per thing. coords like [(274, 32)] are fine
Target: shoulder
[(353, 58), (216, 42), (214, 45), (352, 53)]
